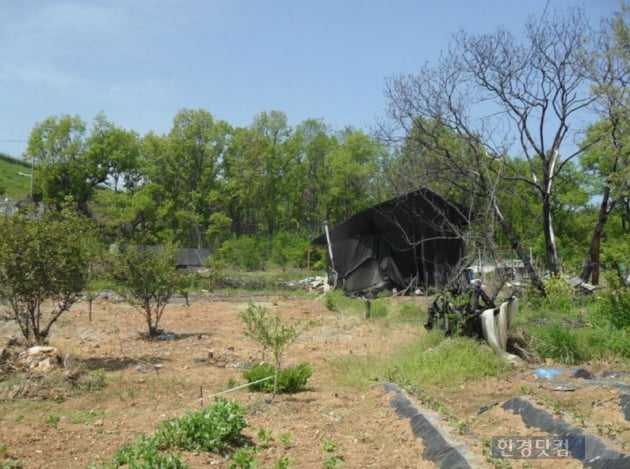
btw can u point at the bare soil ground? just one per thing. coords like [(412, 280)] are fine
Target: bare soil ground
[(136, 383)]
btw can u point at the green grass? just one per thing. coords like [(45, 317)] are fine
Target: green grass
[(431, 360), (12, 182), (574, 330), (86, 416)]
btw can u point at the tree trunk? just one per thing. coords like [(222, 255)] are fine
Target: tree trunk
[(520, 252), (550, 239), (591, 266)]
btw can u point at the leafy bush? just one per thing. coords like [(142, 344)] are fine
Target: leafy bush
[(146, 278), (44, 259), (270, 331), (211, 429), (144, 453), (283, 249), (244, 458), (560, 297), (290, 379), (615, 305)]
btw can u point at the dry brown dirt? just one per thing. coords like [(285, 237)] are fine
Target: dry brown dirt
[(48, 426)]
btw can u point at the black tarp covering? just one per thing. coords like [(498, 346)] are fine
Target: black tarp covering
[(407, 242)]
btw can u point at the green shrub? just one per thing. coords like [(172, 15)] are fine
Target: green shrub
[(44, 264), (146, 278), (244, 458), (211, 429), (290, 380), (560, 296), (615, 306), (144, 453)]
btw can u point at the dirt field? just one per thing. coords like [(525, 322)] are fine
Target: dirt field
[(146, 382)]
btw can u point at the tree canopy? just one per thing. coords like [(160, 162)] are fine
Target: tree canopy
[(497, 124)]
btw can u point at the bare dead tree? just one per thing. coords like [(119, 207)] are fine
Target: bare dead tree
[(503, 100)]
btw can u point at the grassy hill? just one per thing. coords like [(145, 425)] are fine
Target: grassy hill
[(15, 181)]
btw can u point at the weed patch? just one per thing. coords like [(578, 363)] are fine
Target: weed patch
[(432, 360)]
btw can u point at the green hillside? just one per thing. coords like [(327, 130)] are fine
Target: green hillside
[(15, 181)]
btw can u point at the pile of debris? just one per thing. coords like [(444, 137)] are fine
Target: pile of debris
[(311, 284), (44, 359), (39, 358), (476, 317)]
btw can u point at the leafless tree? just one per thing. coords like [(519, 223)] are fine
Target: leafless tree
[(506, 100)]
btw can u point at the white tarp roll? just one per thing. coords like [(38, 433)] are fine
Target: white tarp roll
[(495, 324)]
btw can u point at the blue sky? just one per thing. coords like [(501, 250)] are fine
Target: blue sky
[(140, 61)]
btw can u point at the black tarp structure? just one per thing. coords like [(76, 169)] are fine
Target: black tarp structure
[(407, 242)]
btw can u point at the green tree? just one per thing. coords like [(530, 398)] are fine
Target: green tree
[(115, 152), (183, 170), (258, 168), (57, 146), (69, 162), (146, 277), (274, 166), (311, 142), (43, 258), (351, 168)]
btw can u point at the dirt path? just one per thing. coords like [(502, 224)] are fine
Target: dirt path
[(147, 382)]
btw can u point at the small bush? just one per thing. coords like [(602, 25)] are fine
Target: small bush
[(144, 453), (290, 380), (615, 306), (211, 429), (244, 458)]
